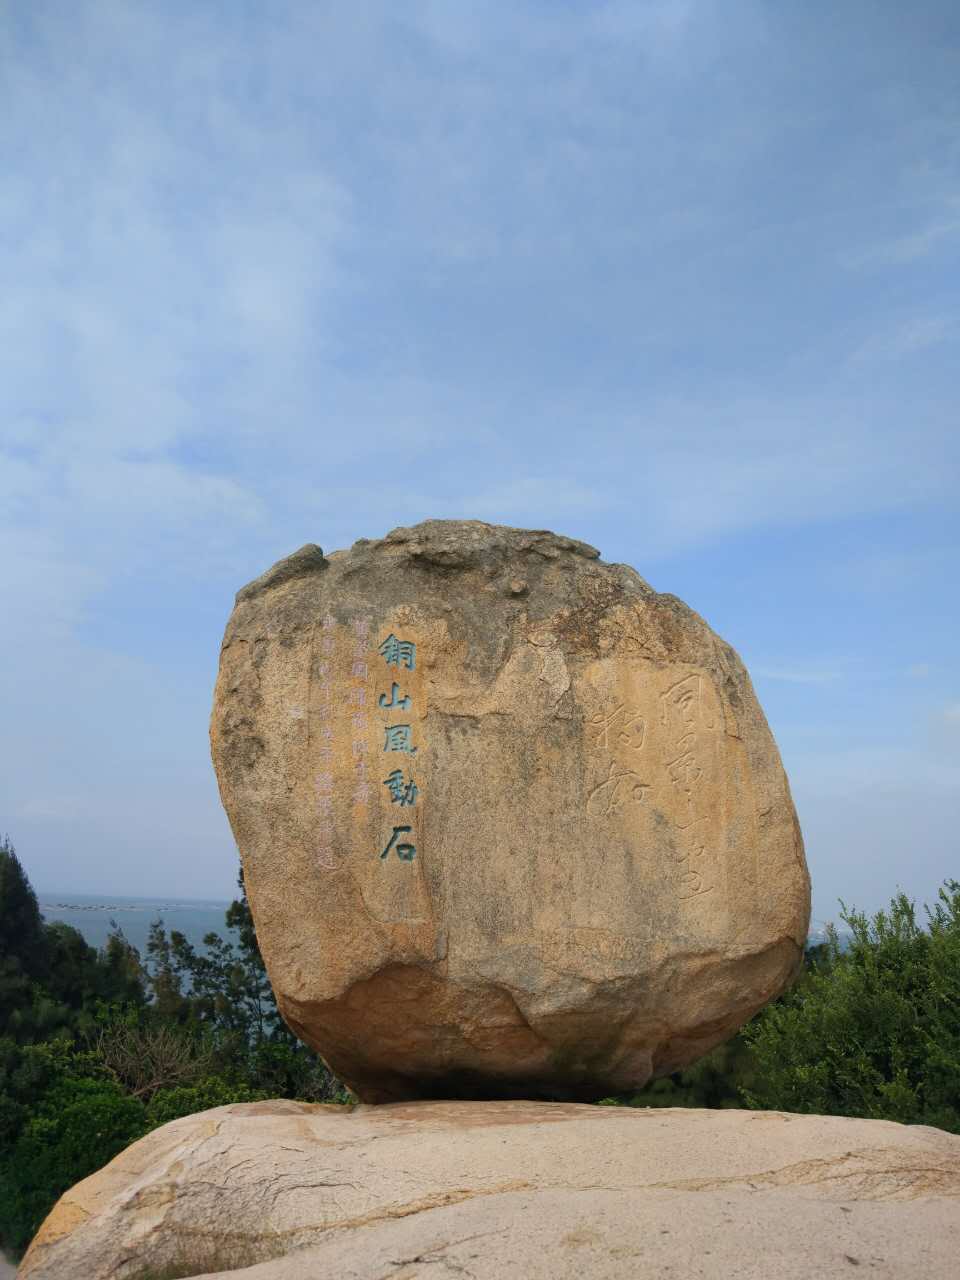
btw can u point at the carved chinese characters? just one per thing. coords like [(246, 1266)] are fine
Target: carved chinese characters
[(653, 746), (617, 733), (380, 749), (362, 721), (400, 655), (691, 766), (501, 840), (359, 712), (339, 723), (338, 720)]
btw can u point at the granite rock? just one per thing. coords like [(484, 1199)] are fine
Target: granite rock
[(512, 1191), (512, 823)]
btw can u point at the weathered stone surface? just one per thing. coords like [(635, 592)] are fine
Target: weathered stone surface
[(512, 1191), (599, 874)]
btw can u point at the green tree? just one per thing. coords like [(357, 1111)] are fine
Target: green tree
[(872, 1030), (21, 924), (280, 1062), (23, 960), (164, 976), (52, 982), (88, 1063), (224, 994), (122, 979)]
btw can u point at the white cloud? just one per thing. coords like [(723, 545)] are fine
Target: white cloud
[(316, 272), (907, 337), (703, 471), (892, 573), (149, 257), (904, 250)]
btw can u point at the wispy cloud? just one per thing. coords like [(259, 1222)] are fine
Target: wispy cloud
[(893, 573), (526, 497), (309, 272), (907, 337), (909, 248)]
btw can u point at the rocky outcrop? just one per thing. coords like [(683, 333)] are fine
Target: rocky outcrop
[(512, 823), (511, 1191)]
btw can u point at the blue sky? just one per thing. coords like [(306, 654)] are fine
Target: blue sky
[(677, 278)]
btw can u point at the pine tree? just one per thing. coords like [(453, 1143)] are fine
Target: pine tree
[(21, 924), (23, 953)]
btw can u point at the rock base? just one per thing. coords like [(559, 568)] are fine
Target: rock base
[(502, 1190)]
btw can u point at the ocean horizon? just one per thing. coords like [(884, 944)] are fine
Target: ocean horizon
[(96, 915)]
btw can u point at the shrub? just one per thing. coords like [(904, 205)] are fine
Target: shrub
[(146, 1058), (171, 1104), (713, 1081), (78, 1125), (875, 1030), (63, 1116)]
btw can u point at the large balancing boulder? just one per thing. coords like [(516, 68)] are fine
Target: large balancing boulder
[(511, 822)]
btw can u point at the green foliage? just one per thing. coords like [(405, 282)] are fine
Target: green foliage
[(185, 1100), (223, 989), (22, 953), (123, 979), (228, 988), (870, 1029), (21, 924), (99, 1047), (164, 976), (224, 995), (873, 1030), (714, 1081), (287, 1069), (61, 1118), (52, 983)]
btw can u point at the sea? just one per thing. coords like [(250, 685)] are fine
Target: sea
[(96, 916)]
